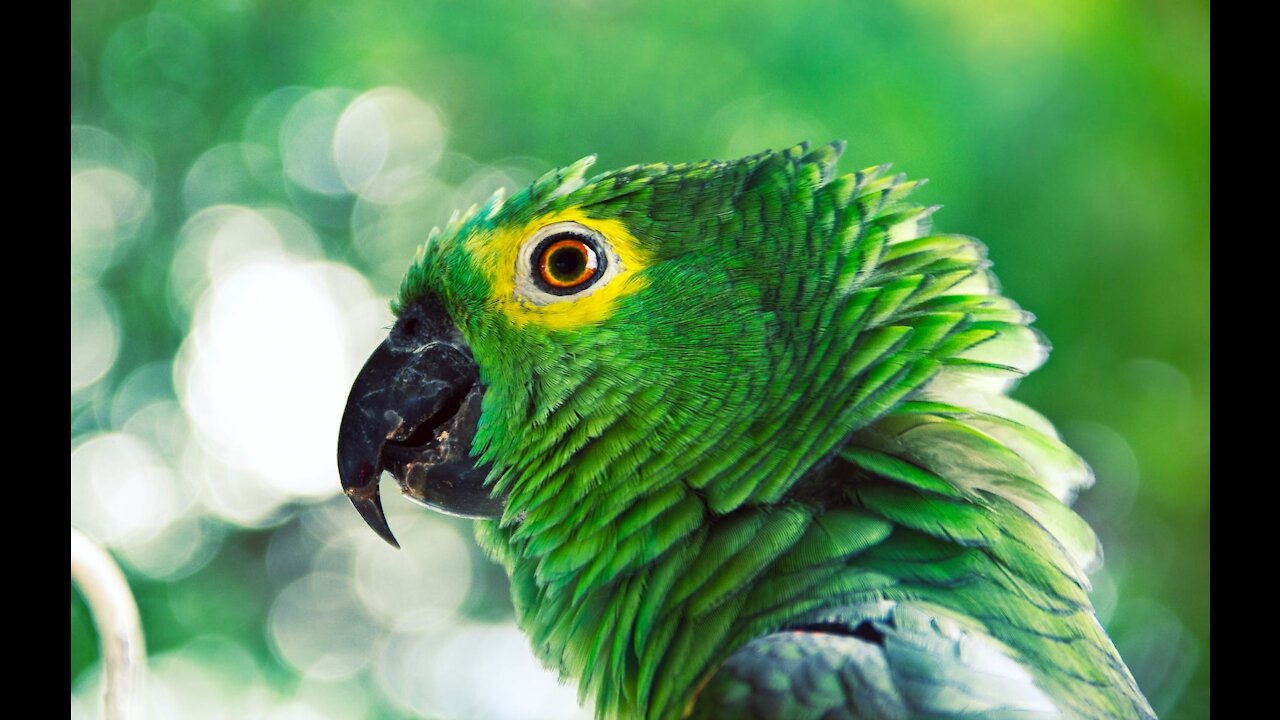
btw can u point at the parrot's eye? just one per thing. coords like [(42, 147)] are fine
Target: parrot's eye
[(563, 261), (566, 262)]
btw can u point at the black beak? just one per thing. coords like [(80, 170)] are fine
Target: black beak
[(413, 411)]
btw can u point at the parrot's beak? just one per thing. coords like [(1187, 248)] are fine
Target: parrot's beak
[(413, 412)]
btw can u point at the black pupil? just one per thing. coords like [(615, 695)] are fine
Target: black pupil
[(567, 263)]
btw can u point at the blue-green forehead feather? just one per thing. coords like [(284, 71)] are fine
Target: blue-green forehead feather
[(674, 203)]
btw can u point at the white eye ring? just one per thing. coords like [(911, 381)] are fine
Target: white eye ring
[(529, 285)]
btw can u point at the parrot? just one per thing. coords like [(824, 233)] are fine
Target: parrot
[(740, 433)]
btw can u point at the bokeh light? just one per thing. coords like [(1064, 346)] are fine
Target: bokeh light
[(307, 141), (386, 143), (107, 208), (262, 374), (249, 183), (230, 174), (437, 667), (94, 335), (121, 492), (318, 627)]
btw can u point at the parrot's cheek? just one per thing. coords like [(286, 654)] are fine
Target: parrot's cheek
[(413, 411)]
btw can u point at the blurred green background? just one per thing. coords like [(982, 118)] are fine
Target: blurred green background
[(249, 179)]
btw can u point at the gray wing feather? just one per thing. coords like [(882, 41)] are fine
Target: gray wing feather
[(876, 661)]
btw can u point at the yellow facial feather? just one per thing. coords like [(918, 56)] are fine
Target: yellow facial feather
[(496, 254)]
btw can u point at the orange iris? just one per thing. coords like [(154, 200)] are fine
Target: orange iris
[(568, 262)]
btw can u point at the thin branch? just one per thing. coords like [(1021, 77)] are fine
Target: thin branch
[(124, 655)]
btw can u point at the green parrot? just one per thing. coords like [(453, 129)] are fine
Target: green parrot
[(740, 434)]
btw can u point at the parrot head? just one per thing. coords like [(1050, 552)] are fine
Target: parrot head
[(562, 353)]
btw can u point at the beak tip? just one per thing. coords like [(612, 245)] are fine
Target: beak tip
[(370, 508)]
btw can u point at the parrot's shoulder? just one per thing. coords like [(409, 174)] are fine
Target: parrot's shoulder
[(949, 573), (878, 661)]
